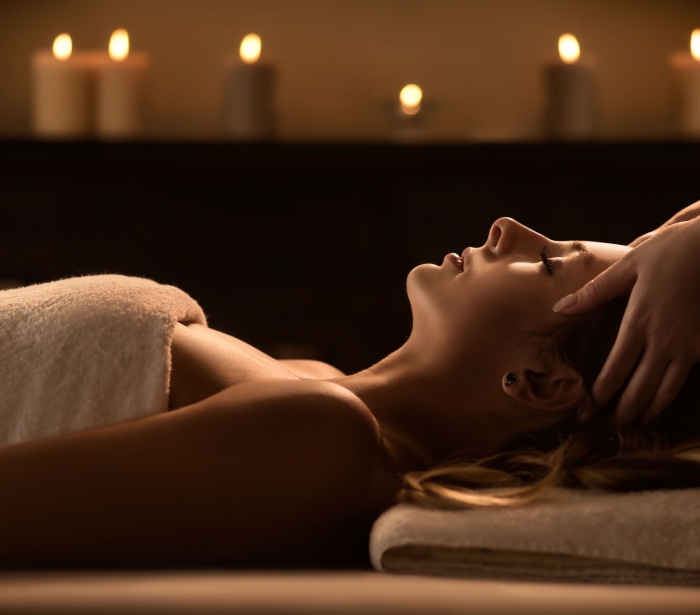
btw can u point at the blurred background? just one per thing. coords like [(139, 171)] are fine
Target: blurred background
[(339, 60), (301, 244)]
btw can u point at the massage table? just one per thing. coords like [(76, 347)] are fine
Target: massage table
[(328, 592)]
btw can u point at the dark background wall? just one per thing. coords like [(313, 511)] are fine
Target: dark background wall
[(309, 245)]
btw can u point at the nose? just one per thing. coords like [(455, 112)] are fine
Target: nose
[(508, 236)]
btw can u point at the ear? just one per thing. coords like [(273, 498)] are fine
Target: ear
[(553, 389)]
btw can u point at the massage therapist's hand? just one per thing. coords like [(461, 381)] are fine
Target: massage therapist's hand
[(660, 330)]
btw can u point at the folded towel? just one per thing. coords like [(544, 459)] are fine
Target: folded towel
[(580, 536), (86, 352)]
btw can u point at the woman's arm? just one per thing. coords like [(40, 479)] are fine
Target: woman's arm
[(250, 474)]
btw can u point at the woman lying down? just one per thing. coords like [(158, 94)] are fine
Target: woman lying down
[(134, 435)]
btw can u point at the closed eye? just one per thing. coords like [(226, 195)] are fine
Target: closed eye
[(547, 262)]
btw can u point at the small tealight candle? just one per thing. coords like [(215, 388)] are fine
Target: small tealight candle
[(685, 70), (249, 93), (61, 91), (571, 111), (121, 81), (409, 116), (410, 98)]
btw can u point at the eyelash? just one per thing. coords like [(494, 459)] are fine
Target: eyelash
[(547, 262)]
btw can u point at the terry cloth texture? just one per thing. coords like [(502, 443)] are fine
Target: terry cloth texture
[(86, 352), (572, 536)]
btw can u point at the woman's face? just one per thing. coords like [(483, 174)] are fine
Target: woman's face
[(476, 306), (473, 317)]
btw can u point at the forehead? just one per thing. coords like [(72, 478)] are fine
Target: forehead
[(584, 261), (608, 253)]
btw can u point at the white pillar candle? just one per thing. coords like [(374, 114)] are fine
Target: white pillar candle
[(685, 71), (62, 91), (121, 81), (571, 99), (249, 93)]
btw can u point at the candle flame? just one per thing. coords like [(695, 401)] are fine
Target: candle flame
[(695, 44), (119, 45), (410, 98), (569, 51), (62, 47), (251, 46)]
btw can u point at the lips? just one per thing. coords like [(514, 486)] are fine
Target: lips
[(455, 260), (463, 259)]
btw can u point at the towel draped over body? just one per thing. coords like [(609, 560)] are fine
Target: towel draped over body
[(86, 352)]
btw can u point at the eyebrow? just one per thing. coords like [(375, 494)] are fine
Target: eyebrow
[(582, 249)]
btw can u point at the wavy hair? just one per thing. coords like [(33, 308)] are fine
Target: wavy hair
[(596, 455)]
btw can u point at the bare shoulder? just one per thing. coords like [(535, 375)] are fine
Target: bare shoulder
[(328, 423), (316, 404), (311, 369), (253, 473)]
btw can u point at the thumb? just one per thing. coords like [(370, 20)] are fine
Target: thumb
[(615, 280)]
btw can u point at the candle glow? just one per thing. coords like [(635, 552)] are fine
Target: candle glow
[(119, 45), (695, 44), (410, 98), (251, 46), (569, 50), (62, 47)]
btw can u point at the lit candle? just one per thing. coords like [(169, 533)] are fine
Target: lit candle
[(410, 98), (685, 69), (61, 91), (249, 93), (121, 81), (571, 100)]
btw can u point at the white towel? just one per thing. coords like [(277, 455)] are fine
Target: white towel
[(582, 536), (86, 352)]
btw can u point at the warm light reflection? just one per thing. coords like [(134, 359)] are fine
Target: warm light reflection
[(569, 51), (250, 48), (410, 98), (695, 44), (62, 47), (119, 45)]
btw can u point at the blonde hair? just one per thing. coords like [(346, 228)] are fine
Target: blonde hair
[(595, 455)]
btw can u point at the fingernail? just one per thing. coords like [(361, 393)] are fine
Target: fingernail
[(585, 417), (565, 302)]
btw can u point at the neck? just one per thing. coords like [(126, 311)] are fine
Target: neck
[(420, 415)]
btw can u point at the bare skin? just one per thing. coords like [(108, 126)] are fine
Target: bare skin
[(257, 463), (659, 337), (444, 389), (206, 361), (260, 460), (429, 397)]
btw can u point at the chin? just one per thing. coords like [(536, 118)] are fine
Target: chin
[(422, 277), (423, 288)]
